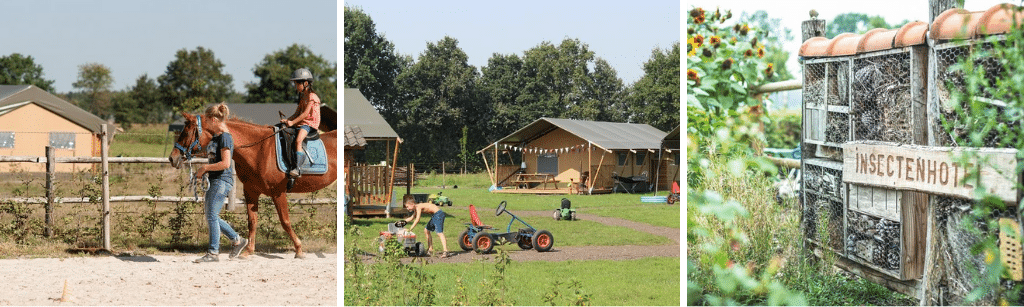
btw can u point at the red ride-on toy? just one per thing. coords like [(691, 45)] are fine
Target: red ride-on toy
[(407, 238), (476, 238), (674, 196)]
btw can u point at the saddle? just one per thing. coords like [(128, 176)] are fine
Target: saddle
[(315, 160)]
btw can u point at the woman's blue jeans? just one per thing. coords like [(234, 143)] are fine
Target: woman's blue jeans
[(215, 197)]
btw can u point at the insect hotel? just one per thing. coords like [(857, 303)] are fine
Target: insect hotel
[(882, 189)]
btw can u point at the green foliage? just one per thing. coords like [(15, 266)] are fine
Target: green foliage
[(989, 74), (16, 69), (275, 71), (191, 76), (774, 35), (857, 23), (95, 82), (652, 98), (371, 63), (784, 130)]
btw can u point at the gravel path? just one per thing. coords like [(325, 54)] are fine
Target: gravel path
[(263, 279), (621, 252)]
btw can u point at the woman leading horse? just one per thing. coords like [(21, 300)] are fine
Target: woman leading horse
[(256, 167)]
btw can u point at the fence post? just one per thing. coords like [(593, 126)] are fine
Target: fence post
[(104, 152), (812, 28), (49, 190)]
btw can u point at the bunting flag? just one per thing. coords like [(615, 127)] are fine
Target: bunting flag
[(538, 150)]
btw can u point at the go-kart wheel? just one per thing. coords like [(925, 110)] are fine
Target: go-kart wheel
[(543, 241), (417, 250), (449, 203), (557, 215), (483, 243), (525, 243), (572, 215), (465, 241), (671, 199)]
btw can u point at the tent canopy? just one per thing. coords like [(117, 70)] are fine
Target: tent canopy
[(606, 135)]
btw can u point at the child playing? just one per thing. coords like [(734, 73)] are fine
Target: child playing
[(436, 223), (307, 115)]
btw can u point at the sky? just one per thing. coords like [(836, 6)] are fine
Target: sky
[(133, 38), (793, 13), (622, 34)]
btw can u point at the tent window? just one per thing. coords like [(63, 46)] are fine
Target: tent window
[(547, 163), (62, 140), (622, 159), (6, 139), (640, 158)]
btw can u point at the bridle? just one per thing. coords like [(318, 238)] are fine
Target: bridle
[(187, 152)]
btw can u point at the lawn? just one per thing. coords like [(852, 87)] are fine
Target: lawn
[(151, 140)]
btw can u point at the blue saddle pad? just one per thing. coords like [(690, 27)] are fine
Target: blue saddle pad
[(313, 163)]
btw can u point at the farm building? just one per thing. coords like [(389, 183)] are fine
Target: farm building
[(370, 187), (670, 160), (31, 119), (559, 156)]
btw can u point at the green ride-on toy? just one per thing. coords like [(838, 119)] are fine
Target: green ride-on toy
[(477, 238), (566, 213), (439, 200)]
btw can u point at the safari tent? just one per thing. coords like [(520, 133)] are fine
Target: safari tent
[(562, 156), (370, 187), (32, 118)]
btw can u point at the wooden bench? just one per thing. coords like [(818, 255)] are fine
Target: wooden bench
[(543, 179)]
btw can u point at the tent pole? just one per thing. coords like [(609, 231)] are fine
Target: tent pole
[(391, 180), (657, 173), (484, 156), (593, 178), (495, 181)]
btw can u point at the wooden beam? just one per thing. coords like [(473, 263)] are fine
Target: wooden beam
[(489, 175), (593, 177), (391, 181), (780, 86)]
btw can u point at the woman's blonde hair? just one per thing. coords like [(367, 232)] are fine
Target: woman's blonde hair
[(219, 111)]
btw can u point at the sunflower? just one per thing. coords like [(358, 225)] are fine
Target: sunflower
[(715, 41), (744, 29), (760, 52), (727, 63), (698, 40), (770, 70), (698, 15), (748, 53), (692, 75), (690, 49)]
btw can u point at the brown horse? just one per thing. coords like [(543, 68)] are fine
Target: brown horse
[(256, 166)]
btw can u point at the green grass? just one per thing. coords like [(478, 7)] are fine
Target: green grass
[(645, 282), (151, 140)]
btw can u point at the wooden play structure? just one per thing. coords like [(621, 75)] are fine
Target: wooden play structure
[(370, 188)]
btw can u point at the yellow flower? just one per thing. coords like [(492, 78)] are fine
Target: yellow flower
[(692, 75), (715, 41), (760, 52), (699, 40), (690, 49)]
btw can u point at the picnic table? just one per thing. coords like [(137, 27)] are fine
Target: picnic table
[(543, 179)]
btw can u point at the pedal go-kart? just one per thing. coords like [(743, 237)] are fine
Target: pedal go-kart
[(406, 238), (439, 200), (566, 212), (477, 238)]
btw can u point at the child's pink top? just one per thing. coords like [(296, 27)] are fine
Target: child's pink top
[(314, 113)]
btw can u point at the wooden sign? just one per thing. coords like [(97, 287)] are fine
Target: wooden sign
[(930, 169)]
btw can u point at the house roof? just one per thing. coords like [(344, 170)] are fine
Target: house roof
[(15, 96), (606, 135), (360, 113), (671, 140), (354, 138), (955, 23)]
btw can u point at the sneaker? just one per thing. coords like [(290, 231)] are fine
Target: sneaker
[(237, 249), (207, 258), (294, 173)]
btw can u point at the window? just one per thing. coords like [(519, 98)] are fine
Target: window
[(6, 139), (547, 163), (622, 158), (62, 140), (640, 158)]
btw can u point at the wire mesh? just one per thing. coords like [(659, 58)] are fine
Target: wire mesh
[(950, 79), (882, 99), (823, 212), (838, 83), (874, 240)]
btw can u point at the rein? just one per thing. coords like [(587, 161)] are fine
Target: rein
[(260, 140)]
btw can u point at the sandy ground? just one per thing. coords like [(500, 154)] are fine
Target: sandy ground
[(563, 253), (263, 279)]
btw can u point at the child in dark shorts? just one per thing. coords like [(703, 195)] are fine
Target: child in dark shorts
[(436, 223)]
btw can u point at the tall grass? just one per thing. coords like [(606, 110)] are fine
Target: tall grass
[(774, 238)]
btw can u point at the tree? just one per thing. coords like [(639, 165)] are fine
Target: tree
[(193, 75), (95, 82), (135, 105), (440, 97), (17, 69), (857, 23), (275, 72), (501, 85), (371, 63), (654, 99)]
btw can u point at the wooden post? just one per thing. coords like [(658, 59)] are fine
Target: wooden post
[(443, 183), (49, 190), (812, 28), (496, 163), (593, 177), (409, 177), (489, 176), (104, 152), (391, 180)]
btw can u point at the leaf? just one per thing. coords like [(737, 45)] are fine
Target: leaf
[(738, 88)]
